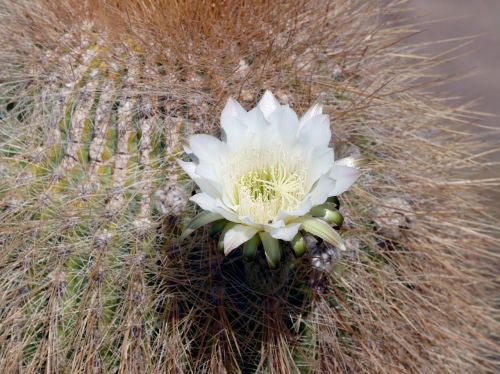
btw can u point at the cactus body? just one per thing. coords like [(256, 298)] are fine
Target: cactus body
[(95, 103)]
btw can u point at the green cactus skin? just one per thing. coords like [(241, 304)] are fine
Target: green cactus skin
[(84, 220)]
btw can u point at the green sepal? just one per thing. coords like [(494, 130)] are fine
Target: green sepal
[(319, 210), (220, 244), (200, 220), (272, 249), (328, 213), (299, 245), (250, 248), (318, 227), (217, 227)]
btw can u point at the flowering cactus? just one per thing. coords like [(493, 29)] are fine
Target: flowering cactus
[(271, 176), (97, 99)]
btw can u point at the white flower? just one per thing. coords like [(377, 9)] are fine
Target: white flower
[(267, 173)]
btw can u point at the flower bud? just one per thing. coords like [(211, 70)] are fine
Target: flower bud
[(327, 213), (299, 245), (333, 217)]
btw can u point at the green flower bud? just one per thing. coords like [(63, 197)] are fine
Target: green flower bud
[(333, 217), (299, 245), (319, 211)]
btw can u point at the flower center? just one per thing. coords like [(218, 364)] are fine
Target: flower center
[(263, 192)]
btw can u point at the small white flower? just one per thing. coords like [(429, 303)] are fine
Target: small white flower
[(267, 173)]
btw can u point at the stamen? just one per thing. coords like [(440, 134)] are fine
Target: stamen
[(267, 188)]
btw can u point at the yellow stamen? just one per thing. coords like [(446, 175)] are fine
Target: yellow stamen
[(263, 191)]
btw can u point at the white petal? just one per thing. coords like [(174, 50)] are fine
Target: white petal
[(204, 201), (285, 233), (268, 103), (206, 148), (233, 128), (313, 111), (319, 162), (344, 177), (208, 186), (207, 202), (249, 221), (322, 190), (236, 236), (188, 167), (316, 132), (304, 207), (255, 121), (284, 125), (232, 109), (235, 135), (225, 212), (210, 172)]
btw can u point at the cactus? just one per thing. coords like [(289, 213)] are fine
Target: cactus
[(96, 101)]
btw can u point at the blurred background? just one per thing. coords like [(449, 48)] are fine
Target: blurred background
[(480, 60), (458, 18)]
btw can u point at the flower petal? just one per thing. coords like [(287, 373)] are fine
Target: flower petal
[(207, 202), (226, 213), (344, 177), (319, 162), (313, 111), (233, 109), (236, 236), (188, 167), (268, 103), (304, 207), (235, 135), (206, 148), (255, 121), (210, 172), (286, 233), (204, 201), (315, 132), (322, 190), (210, 187), (233, 128), (284, 126)]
